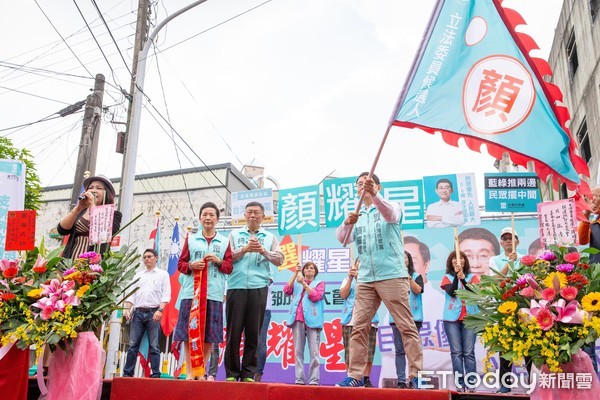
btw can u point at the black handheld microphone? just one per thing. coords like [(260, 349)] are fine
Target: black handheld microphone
[(83, 197)]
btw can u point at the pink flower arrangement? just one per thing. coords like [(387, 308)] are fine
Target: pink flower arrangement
[(40, 265), (545, 318), (569, 292), (548, 256), (522, 280), (528, 260), (92, 256), (527, 292), (56, 296), (69, 271), (565, 267), (96, 268), (572, 258), (10, 268), (548, 294)]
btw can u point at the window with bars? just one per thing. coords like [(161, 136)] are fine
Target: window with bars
[(584, 141), (572, 55)]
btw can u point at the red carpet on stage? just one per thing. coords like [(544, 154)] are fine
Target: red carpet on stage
[(165, 389)]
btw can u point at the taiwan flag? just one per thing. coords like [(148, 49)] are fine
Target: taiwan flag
[(169, 317)]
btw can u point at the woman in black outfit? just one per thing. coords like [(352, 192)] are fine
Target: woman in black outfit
[(98, 191)]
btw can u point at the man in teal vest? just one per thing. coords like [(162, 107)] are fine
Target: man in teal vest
[(382, 276), (255, 254)]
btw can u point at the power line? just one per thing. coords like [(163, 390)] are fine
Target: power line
[(95, 40), (112, 37), (192, 150), (217, 25), (32, 95), (172, 136), (64, 41)]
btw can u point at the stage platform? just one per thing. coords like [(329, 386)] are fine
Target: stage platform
[(168, 389)]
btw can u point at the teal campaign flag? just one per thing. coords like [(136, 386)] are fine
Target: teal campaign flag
[(298, 210), (473, 78), (511, 192)]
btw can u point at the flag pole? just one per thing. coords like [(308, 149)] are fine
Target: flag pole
[(362, 196), (413, 70), (299, 249), (456, 245)]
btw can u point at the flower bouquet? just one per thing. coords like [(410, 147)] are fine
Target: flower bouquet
[(545, 308), (49, 301)]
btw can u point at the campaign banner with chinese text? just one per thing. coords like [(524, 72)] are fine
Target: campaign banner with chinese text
[(240, 199), (451, 200), (558, 223), (511, 192), (429, 248), (12, 196), (339, 198), (299, 210)]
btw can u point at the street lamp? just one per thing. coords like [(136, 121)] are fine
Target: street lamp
[(128, 178)]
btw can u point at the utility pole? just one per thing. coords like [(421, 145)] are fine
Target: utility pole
[(90, 134), (128, 176), (141, 35)]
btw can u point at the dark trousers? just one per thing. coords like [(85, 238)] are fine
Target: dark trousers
[(213, 367), (245, 313), (506, 366), (590, 349), (262, 343), (142, 322)]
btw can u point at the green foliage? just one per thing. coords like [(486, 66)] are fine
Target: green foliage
[(33, 186)]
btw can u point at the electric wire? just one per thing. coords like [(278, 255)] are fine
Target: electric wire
[(64, 41), (172, 135)]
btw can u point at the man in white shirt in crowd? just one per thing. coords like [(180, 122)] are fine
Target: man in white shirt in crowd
[(446, 212), (500, 262), (144, 309)]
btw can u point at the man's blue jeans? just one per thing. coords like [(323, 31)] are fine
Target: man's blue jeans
[(462, 349), (262, 343), (142, 322)]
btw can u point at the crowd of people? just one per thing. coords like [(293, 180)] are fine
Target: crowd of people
[(232, 276)]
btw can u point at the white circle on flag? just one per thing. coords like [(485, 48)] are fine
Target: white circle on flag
[(498, 94), (476, 31)]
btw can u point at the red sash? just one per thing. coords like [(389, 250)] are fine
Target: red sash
[(197, 324)]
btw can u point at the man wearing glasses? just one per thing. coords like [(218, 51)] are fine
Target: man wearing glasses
[(147, 303), (255, 255), (382, 276)]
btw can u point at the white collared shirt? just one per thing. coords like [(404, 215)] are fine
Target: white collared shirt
[(154, 288), (448, 211)]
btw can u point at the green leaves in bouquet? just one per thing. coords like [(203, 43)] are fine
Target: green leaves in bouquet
[(109, 291)]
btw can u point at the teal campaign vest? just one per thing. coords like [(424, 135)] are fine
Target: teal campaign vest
[(379, 246), (314, 312), (416, 301), (199, 248), (252, 271), (348, 306), (453, 305)]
